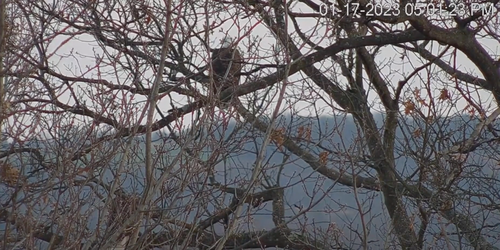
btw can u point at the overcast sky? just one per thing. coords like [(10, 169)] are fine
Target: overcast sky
[(78, 55)]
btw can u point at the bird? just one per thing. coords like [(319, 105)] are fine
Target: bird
[(226, 68)]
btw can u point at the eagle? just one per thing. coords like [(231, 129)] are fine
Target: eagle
[(226, 68)]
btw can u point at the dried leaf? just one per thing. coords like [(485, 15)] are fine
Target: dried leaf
[(323, 158), (416, 92), (300, 132), (417, 133), (447, 205), (9, 174), (278, 137), (409, 107), (429, 119), (308, 134), (444, 95)]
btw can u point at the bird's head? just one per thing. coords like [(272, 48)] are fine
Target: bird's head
[(227, 42)]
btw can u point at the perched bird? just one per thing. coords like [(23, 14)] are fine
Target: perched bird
[(226, 68)]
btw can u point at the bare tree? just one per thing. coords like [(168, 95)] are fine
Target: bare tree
[(354, 125)]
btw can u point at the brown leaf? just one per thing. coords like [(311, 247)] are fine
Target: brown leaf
[(278, 137), (429, 119), (445, 95), (308, 133), (447, 205), (323, 157), (9, 174), (300, 132), (409, 107), (416, 92), (417, 133)]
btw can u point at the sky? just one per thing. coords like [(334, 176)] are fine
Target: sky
[(77, 57)]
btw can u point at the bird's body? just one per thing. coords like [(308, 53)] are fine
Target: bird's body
[(226, 69)]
